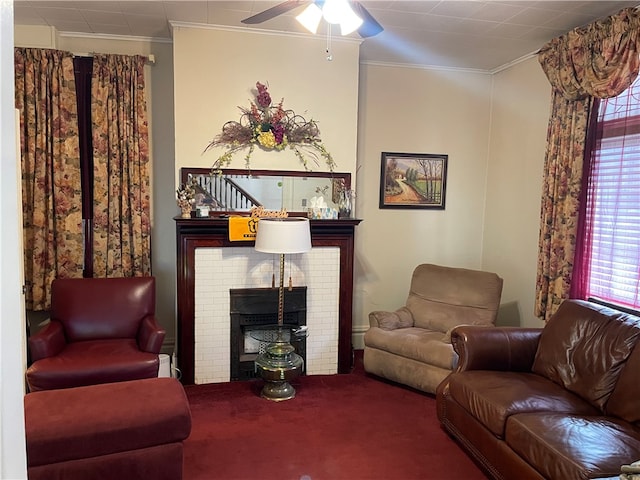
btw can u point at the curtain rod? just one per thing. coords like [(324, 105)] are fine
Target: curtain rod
[(151, 59)]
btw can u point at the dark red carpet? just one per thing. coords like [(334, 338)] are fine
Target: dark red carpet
[(352, 427)]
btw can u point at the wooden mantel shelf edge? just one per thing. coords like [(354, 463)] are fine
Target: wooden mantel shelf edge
[(225, 221)]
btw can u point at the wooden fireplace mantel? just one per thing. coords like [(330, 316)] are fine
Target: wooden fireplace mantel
[(192, 233)]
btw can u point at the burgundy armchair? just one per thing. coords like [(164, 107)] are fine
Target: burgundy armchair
[(101, 330)]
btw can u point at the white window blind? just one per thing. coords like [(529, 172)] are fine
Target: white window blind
[(613, 206)]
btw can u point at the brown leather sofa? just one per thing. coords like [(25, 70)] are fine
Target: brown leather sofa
[(558, 403), (101, 330)]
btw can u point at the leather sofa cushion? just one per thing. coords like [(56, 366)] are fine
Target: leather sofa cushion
[(84, 422), (572, 447), (418, 344), (624, 401), (493, 396), (90, 362), (584, 347)]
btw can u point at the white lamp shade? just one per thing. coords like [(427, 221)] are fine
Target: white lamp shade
[(310, 18), (283, 235)]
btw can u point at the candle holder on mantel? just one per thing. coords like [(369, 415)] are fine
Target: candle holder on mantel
[(279, 364)]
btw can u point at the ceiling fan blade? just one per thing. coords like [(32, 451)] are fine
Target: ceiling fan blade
[(274, 11), (370, 25)]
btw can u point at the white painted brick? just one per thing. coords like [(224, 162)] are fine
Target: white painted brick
[(217, 270)]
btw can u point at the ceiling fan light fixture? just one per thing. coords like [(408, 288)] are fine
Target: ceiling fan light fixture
[(340, 12), (310, 18), (350, 22), (332, 10)]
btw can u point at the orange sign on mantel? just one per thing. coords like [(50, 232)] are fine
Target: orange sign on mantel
[(242, 228)]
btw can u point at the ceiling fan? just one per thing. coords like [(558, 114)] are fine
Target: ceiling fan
[(369, 27)]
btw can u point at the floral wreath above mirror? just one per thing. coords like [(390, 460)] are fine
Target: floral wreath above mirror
[(270, 127)]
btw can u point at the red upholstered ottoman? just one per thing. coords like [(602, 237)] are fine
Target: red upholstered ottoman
[(126, 430)]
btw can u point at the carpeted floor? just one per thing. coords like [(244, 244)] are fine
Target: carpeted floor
[(351, 427)]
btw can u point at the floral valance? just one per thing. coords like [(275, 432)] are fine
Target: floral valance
[(599, 60)]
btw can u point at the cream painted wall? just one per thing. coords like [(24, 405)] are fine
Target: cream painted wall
[(521, 103), (216, 70), (159, 83), (415, 110)]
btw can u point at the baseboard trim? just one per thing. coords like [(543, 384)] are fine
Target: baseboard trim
[(357, 336)]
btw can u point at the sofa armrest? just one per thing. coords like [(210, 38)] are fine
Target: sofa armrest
[(47, 342), (495, 348), (151, 335), (401, 318)]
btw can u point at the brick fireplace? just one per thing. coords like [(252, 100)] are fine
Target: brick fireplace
[(208, 265), (217, 270)]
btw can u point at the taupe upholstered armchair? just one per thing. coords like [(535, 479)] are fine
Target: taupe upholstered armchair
[(412, 345)]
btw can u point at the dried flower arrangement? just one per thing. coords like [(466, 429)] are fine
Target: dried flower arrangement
[(186, 197), (270, 127)]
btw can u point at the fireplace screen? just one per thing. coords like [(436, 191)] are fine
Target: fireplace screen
[(257, 308)]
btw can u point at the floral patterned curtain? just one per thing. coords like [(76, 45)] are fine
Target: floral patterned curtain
[(600, 60), (52, 204), (121, 228)]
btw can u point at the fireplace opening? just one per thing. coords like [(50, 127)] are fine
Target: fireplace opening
[(255, 309)]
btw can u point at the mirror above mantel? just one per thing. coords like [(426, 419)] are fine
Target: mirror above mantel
[(237, 190)]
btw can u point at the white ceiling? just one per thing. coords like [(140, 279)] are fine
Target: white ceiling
[(482, 35)]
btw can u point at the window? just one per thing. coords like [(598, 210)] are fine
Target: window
[(610, 263)]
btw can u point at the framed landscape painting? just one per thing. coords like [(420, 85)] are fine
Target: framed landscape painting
[(413, 180)]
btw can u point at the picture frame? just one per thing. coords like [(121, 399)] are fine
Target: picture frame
[(413, 180)]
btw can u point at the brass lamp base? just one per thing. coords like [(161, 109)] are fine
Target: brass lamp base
[(277, 367)]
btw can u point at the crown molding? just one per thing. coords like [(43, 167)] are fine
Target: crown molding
[(426, 67), (260, 31), (104, 36), (514, 62)]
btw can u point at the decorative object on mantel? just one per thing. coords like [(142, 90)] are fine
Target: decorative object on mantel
[(345, 204), (242, 229), (186, 198), (271, 128), (245, 228), (261, 212), (319, 210)]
